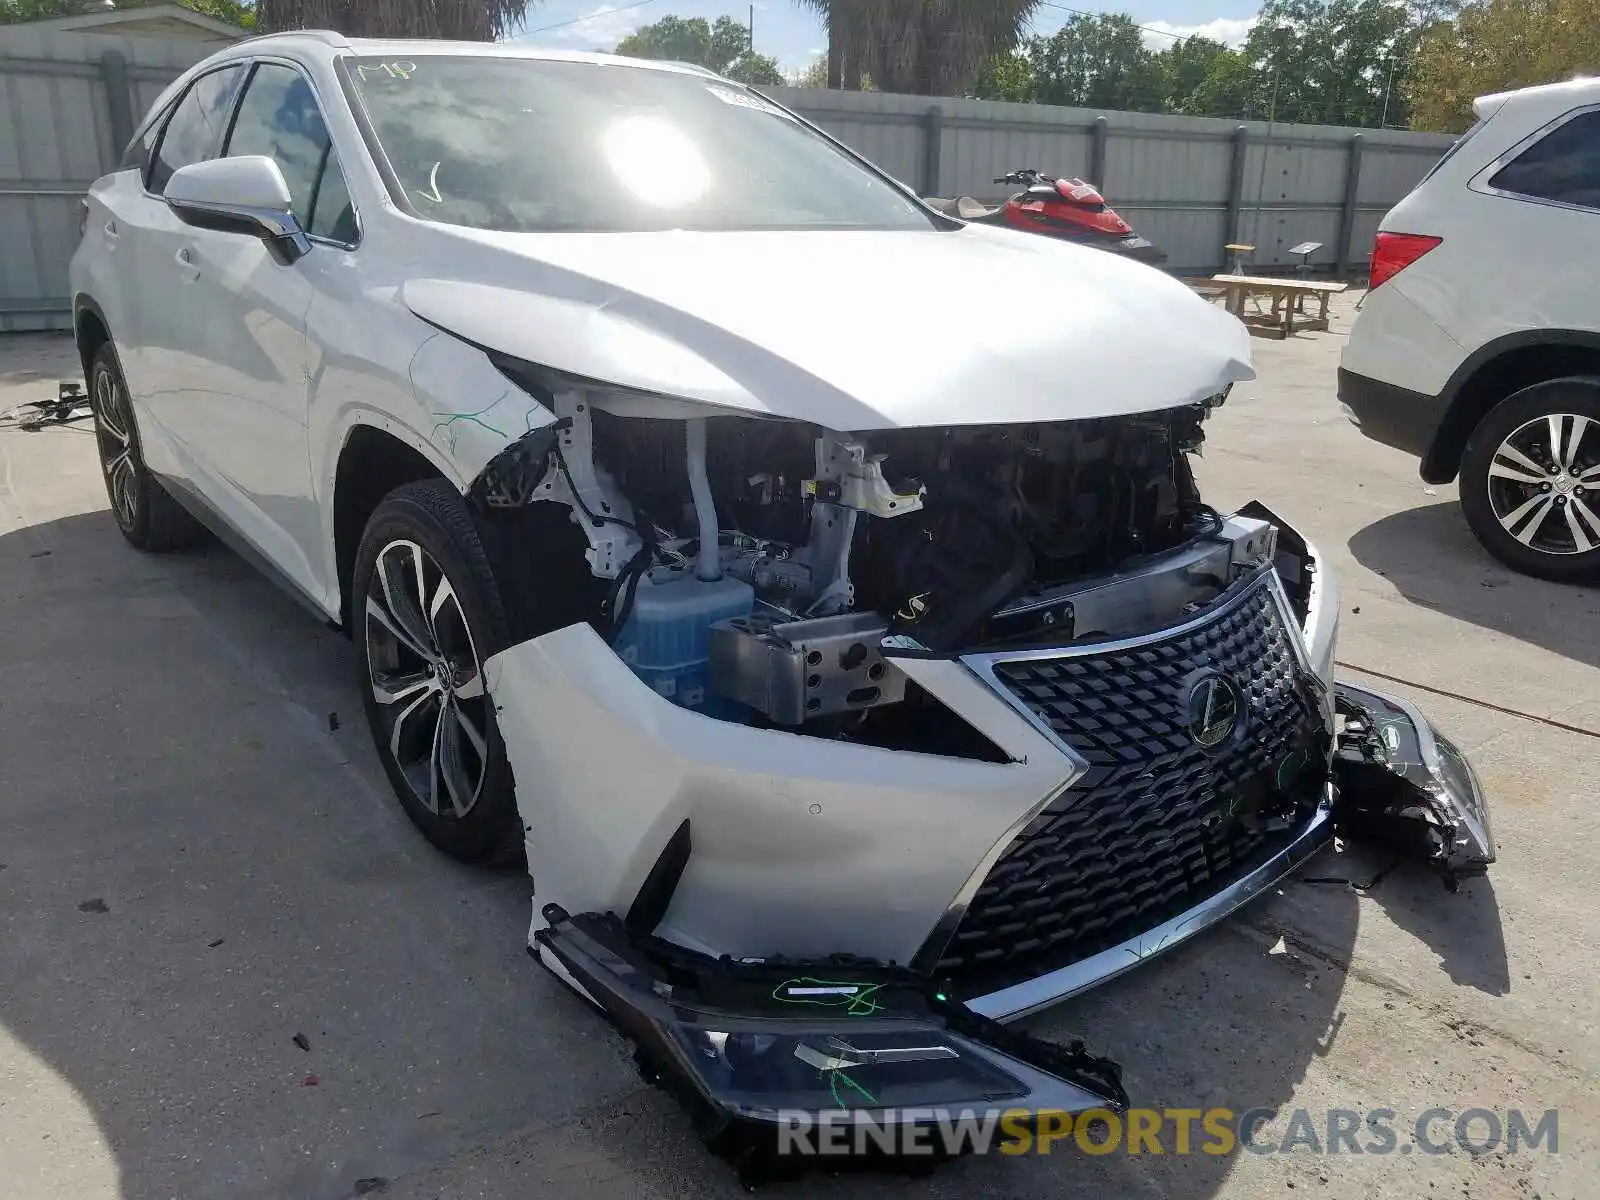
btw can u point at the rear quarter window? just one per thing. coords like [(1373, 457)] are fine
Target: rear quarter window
[(1562, 166)]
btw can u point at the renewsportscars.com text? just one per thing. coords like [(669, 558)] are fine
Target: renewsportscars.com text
[(1180, 1131)]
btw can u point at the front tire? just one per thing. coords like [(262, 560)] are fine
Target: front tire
[(1530, 480), (149, 518), (427, 613)]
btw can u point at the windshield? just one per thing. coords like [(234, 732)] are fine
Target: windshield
[(538, 145)]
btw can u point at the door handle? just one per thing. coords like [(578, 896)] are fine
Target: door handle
[(111, 233), (188, 270)]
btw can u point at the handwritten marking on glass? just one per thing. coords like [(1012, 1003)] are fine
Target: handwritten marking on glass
[(400, 69), (432, 192)]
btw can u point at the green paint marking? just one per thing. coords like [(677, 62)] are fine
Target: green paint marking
[(857, 999), (475, 417), (836, 1077)]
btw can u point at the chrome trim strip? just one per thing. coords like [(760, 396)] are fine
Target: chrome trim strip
[(1480, 181), (1012, 1003), (938, 940), (1291, 626), (983, 665), (1247, 586)]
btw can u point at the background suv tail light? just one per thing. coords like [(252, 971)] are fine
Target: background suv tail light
[(1394, 252)]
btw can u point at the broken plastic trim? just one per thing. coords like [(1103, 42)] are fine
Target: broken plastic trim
[(1403, 783), (756, 1049)]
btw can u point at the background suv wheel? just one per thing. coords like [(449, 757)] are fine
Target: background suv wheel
[(1530, 480), (426, 614), (148, 517)]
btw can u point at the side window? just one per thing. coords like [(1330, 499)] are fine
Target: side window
[(1564, 165), (332, 215), (195, 129), (140, 148), (279, 117)]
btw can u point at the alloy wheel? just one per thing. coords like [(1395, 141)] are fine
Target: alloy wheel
[(118, 454), (427, 680), (1544, 484)]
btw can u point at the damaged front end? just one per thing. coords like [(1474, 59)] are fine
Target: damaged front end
[(965, 719), (782, 1064)]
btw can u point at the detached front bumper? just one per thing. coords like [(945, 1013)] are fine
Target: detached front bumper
[(1105, 833), (782, 1063)]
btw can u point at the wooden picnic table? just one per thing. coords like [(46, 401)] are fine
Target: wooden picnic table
[(1288, 302)]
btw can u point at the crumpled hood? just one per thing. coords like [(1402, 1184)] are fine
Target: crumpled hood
[(850, 330)]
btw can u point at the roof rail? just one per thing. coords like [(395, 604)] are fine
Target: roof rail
[(689, 66), (326, 36)]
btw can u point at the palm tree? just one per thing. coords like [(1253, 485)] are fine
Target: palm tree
[(924, 47), (473, 20)]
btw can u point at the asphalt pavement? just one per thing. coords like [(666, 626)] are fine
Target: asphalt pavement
[(230, 968)]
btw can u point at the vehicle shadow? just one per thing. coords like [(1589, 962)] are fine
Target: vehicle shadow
[(228, 965), (202, 861), (1463, 929), (1430, 555)]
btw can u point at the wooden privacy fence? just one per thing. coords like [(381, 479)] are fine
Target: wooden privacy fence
[(69, 102)]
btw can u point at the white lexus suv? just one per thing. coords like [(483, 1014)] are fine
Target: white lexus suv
[(1478, 346), (702, 542)]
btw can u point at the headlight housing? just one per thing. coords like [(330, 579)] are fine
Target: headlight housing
[(1403, 782), (771, 1058)]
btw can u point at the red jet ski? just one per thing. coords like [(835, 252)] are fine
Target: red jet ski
[(1062, 208)]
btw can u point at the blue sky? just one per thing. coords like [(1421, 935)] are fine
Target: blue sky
[(793, 36)]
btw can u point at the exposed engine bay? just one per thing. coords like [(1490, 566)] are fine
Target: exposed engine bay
[(1131, 695), (771, 571)]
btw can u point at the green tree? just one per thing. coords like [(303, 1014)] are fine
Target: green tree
[(1331, 62), (922, 47), (1228, 89), (813, 75), (723, 47), (232, 11), (1494, 46), (1186, 68), (1097, 61), (1006, 77)]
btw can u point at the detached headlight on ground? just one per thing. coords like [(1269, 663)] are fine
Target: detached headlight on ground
[(782, 1063), (1403, 782)]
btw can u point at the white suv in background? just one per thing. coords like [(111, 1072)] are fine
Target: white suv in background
[(1478, 346)]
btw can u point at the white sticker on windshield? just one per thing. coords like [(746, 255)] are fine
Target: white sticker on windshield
[(745, 100)]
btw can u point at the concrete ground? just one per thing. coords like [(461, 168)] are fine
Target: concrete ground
[(200, 861)]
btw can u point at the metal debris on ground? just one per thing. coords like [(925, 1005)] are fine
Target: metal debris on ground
[(71, 404)]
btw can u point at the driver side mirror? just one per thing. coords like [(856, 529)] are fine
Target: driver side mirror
[(245, 195)]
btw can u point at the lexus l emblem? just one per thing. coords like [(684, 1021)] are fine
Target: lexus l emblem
[(1214, 705)]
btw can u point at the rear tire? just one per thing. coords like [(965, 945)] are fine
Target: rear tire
[(149, 518), (1530, 480), (426, 613)]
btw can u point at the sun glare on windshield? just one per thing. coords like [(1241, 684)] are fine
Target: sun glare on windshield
[(656, 161), (534, 145)]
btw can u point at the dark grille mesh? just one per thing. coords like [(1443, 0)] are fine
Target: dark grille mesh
[(1157, 823)]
